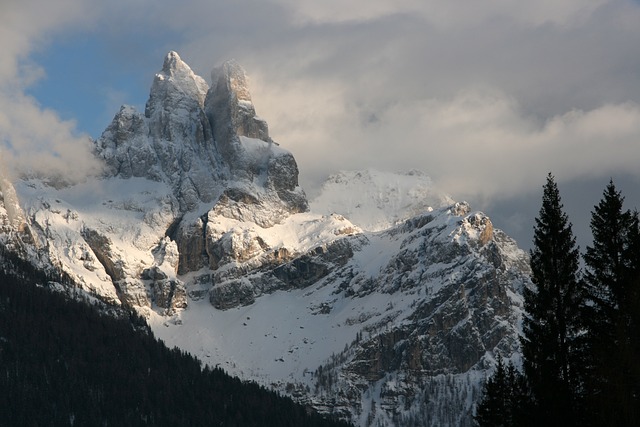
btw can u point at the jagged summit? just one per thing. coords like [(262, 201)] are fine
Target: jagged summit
[(173, 62), (232, 114), (231, 74), (178, 82), (207, 144)]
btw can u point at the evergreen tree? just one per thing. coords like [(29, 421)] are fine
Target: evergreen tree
[(551, 325), (611, 312), (505, 398)]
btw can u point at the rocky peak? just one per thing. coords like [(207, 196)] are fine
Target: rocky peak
[(204, 142), (232, 76), (231, 111), (176, 86), (209, 146), (264, 177), (12, 217)]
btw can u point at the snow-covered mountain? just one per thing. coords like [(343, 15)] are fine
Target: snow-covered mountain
[(378, 200), (385, 302)]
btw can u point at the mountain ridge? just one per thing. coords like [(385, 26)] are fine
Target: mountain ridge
[(198, 223)]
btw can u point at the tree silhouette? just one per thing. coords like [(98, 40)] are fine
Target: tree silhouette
[(610, 313), (551, 325)]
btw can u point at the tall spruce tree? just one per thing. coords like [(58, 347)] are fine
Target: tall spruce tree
[(611, 313), (551, 324)]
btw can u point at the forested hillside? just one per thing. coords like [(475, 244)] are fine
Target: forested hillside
[(63, 363)]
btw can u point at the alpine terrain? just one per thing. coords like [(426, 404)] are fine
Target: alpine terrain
[(382, 301)]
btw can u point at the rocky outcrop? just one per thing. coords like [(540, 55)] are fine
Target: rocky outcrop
[(101, 247), (131, 292), (191, 242), (232, 294), (316, 264), (170, 295), (232, 114), (12, 215)]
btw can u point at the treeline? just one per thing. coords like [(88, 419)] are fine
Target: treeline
[(581, 329), (63, 363)]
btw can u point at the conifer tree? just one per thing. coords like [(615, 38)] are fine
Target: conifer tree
[(610, 313), (551, 324), (492, 409), (505, 398)]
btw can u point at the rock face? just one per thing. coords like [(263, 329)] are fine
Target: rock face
[(11, 214), (232, 114), (387, 306)]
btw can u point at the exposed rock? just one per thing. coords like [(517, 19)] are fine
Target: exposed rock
[(265, 209), (315, 265), (132, 293), (153, 273), (460, 208), (233, 246), (486, 229), (169, 294), (101, 247), (232, 114), (232, 294), (125, 150), (191, 246)]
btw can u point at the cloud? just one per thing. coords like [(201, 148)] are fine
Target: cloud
[(485, 99), (478, 143), (32, 139), (453, 13), (38, 142)]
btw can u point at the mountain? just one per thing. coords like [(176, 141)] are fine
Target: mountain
[(382, 301), (378, 200)]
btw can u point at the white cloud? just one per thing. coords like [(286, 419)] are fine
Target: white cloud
[(33, 139), (478, 143), (37, 141)]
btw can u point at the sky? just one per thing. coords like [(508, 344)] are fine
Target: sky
[(485, 96)]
